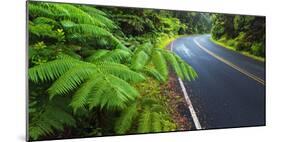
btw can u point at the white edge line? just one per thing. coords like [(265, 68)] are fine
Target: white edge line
[(188, 101)]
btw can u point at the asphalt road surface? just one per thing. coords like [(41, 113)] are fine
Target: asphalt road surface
[(230, 90)]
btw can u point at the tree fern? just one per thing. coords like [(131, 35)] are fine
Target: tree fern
[(76, 20), (71, 73)]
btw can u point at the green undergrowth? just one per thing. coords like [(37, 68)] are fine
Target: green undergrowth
[(230, 44)]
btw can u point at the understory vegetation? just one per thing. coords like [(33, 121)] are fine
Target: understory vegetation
[(242, 33), (96, 71)]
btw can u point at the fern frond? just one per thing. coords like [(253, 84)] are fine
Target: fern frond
[(96, 55), (167, 125), (156, 122), (153, 73), (51, 70), (118, 93), (144, 125), (125, 121), (139, 60), (49, 119), (80, 98), (187, 71), (45, 20), (41, 30), (71, 79), (116, 56), (160, 63), (99, 15), (88, 29), (120, 71), (170, 57), (36, 10), (146, 47)]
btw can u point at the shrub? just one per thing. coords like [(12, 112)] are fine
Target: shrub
[(257, 49)]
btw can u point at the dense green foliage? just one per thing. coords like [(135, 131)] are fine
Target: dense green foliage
[(90, 69), (243, 33)]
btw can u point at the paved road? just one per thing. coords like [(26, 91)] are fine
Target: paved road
[(230, 90)]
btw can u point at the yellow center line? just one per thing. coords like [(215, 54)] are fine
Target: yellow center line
[(230, 64)]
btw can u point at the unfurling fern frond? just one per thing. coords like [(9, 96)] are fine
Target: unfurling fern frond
[(125, 121)]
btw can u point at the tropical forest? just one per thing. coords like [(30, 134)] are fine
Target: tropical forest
[(104, 70)]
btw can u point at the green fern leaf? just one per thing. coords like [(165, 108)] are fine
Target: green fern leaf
[(71, 79), (51, 70), (125, 121), (156, 122), (139, 60), (170, 57), (118, 93), (153, 73), (120, 71), (160, 63), (144, 125)]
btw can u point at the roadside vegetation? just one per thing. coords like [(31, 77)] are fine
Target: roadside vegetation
[(96, 71), (245, 34)]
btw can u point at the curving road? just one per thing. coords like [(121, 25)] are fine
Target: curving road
[(230, 90)]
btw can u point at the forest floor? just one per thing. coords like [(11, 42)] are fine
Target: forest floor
[(177, 103)]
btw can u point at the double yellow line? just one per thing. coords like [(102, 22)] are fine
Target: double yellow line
[(230, 64)]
